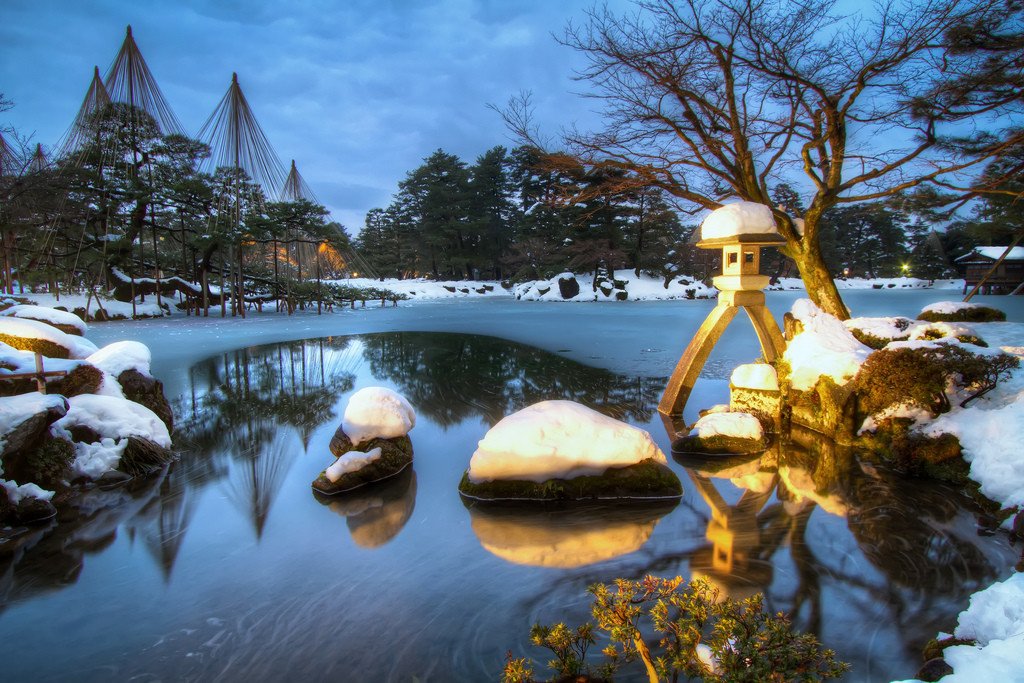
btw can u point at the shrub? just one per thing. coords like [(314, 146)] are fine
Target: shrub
[(702, 635), (922, 377), (969, 314)]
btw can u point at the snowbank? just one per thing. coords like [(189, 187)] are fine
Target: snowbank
[(995, 620), (377, 413), (787, 283), (825, 347), (114, 308), (421, 289), (637, 288), (45, 314), (950, 307), (739, 218), (558, 440)]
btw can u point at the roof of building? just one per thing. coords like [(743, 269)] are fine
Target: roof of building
[(993, 253)]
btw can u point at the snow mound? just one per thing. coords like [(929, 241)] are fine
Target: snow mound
[(637, 288), (123, 355), (78, 347), (45, 314), (995, 619), (351, 462), (885, 328), (377, 413), (755, 376), (558, 440), (740, 218), (735, 425), (825, 347)]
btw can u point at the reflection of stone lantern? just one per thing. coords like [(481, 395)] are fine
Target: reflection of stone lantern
[(740, 230)]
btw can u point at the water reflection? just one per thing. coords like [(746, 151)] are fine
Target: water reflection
[(453, 377), (192, 573), (375, 513), (564, 537)]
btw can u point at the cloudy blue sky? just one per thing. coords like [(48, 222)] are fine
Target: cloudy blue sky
[(358, 92)]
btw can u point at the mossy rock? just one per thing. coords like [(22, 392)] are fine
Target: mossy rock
[(568, 287), (396, 456), (43, 346), (718, 445), (644, 480), (972, 314), (149, 392)]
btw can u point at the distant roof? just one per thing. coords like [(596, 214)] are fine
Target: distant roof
[(993, 253)]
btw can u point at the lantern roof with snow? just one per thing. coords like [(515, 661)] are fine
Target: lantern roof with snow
[(739, 222)]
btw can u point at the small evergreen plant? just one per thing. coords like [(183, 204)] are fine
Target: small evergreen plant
[(702, 635)]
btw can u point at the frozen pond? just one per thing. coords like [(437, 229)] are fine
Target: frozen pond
[(229, 568)]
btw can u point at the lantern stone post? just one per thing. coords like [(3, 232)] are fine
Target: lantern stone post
[(741, 286)]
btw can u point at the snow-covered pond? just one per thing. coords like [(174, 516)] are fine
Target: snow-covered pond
[(230, 568)]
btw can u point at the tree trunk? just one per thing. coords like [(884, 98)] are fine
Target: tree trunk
[(821, 288)]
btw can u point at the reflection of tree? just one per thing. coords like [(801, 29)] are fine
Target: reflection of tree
[(450, 377)]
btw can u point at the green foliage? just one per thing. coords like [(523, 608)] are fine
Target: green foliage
[(970, 314), (701, 634), (928, 377)]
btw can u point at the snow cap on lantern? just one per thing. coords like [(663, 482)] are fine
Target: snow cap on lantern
[(740, 230)]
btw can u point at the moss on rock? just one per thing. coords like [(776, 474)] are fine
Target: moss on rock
[(396, 456), (718, 444), (938, 457), (645, 479)]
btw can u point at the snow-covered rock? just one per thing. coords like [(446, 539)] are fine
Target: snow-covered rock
[(21, 332), (558, 440), (824, 347), (15, 411), (377, 412), (738, 218), (635, 288), (735, 425), (62, 320)]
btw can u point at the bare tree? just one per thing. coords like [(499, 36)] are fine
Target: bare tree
[(719, 99)]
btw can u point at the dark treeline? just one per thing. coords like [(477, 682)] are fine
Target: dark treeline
[(509, 216), (132, 211)]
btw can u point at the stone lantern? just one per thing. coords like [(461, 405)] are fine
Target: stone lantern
[(740, 230)]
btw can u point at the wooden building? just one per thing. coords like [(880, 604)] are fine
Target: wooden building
[(1008, 276)]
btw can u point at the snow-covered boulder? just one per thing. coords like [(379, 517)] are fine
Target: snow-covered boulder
[(26, 452), (738, 218), (377, 413), (564, 450), (723, 433), (877, 332), (377, 420), (565, 538), (40, 337), (754, 389), (107, 429), (65, 322), (125, 365)]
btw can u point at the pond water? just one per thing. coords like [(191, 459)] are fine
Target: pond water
[(228, 567)]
